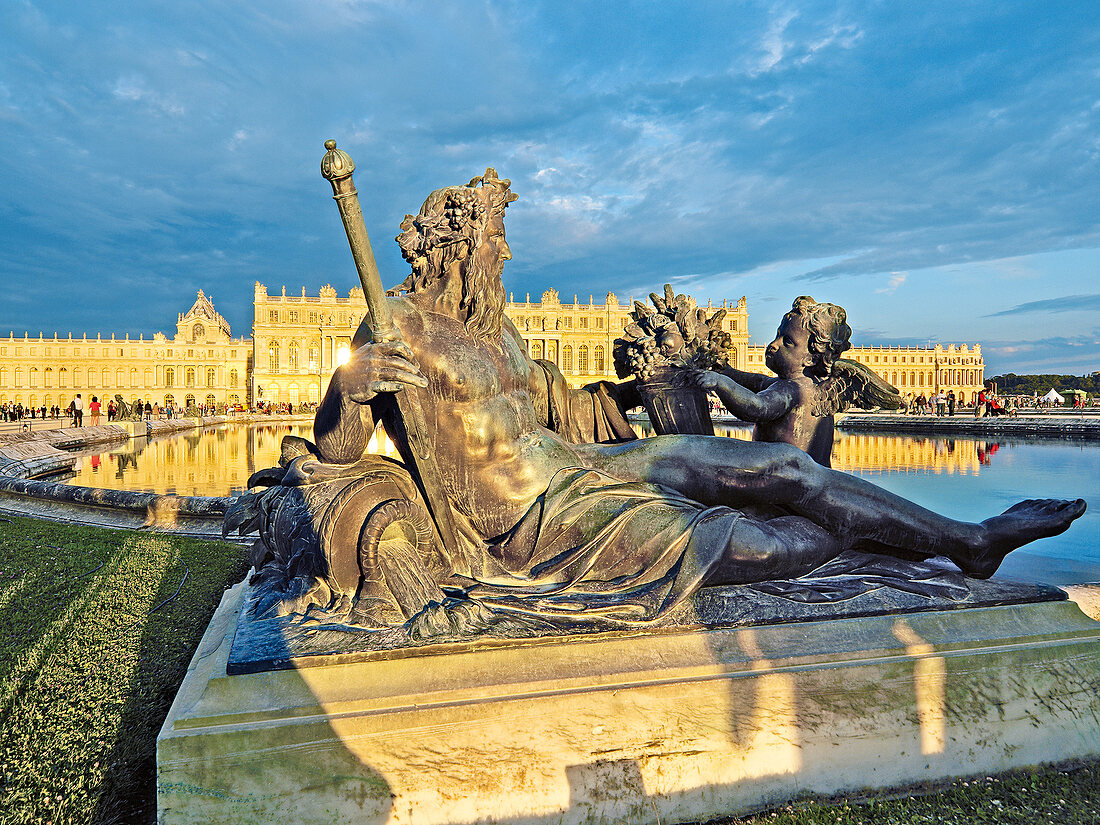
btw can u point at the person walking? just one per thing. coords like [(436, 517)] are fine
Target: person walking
[(93, 410), (78, 411)]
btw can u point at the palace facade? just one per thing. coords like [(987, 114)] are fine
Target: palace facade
[(301, 339), (916, 370), (298, 341), (201, 364)]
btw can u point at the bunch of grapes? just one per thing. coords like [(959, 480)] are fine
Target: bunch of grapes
[(643, 357)]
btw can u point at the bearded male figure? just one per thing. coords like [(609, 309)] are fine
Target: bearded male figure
[(557, 503)]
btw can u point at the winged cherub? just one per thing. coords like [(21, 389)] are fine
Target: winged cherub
[(814, 382)]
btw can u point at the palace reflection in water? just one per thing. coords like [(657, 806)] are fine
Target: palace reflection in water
[(218, 461)]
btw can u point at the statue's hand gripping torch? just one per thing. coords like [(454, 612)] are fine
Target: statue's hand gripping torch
[(337, 168)]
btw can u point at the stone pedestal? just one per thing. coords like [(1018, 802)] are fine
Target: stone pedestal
[(672, 726)]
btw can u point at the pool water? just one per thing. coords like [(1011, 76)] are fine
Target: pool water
[(963, 478)]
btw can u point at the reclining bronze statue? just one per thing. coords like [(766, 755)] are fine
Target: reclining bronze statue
[(519, 496)]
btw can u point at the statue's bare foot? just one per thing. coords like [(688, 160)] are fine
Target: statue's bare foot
[(1019, 524)]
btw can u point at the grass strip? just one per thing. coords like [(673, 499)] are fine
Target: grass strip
[(96, 630), (1067, 794)]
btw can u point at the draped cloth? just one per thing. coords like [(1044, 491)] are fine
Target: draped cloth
[(597, 547)]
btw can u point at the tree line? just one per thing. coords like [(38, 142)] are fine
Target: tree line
[(1013, 384)]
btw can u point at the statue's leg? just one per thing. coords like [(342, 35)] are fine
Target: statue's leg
[(780, 548), (716, 470)]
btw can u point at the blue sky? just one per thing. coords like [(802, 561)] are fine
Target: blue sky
[(931, 166)]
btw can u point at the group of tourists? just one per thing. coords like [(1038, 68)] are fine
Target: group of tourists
[(17, 412), (940, 403), (989, 404)]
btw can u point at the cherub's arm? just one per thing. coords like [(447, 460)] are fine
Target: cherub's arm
[(750, 380), (772, 403)]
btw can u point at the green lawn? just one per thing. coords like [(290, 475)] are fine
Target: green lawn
[(98, 627), (1064, 795)]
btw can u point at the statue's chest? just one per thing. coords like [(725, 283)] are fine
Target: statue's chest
[(464, 371)]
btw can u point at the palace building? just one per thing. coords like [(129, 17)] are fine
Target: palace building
[(298, 341), (301, 339), (916, 370), (201, 364)]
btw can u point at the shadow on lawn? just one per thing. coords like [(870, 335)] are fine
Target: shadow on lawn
[(191, 585)]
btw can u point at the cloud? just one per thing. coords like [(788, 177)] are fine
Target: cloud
[(1067, 303), (896, 280)]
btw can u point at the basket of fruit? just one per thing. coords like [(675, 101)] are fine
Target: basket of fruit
[(658, 345)]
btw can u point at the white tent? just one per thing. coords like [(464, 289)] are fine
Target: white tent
[(1053, 397)]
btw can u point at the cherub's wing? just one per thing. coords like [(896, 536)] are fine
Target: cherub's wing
[(861, 387)]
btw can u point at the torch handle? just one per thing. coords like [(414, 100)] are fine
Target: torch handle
[(337, 167), (415, 445)]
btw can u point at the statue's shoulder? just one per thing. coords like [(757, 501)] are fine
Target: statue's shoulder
[(408, 319)]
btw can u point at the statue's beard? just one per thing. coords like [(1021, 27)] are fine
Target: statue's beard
[(483, 297)]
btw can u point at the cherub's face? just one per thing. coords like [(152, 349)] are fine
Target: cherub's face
[(789, 354)]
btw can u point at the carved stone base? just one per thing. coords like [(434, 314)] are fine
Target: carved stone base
[(674, 726)]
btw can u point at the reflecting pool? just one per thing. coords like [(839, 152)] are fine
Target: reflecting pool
[(968, 479)]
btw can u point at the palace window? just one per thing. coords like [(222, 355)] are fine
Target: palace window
[(3, 376), (211, 377), (48, 375), (106, 382), (77, 377), (599, 359), (169, 377), (273, 316), (189, 377), (567, 357), (582, 359), (118, 378), (63, 378), (584, 322), (293, 316), (273, 357), (569, 323), (133, 377), (147, 376), (313, 317), (536, 350), (599, 322), (232, 378), (292, 355)]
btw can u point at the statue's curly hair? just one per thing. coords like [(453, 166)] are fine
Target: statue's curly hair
[(827, 324), (451, 224)]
